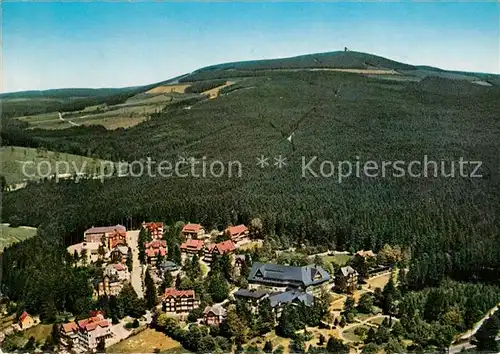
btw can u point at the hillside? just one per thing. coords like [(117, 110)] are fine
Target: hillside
[(371, 118), (338, 59)]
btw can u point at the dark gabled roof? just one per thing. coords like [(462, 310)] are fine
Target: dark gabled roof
[(347, 271), (291, 296), (168, 265), (253, 294), (288, 275), (217, 310)]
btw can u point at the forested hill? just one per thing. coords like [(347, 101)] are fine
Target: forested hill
[(337, 59), (450, 224)]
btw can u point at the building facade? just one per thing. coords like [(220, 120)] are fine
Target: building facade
[(280, 278), (192, 246), (85, 335), (214, 315), (346, 279), (180, 301), (238, 234), (95, 234), (154, 249), (155, 228), (193, 231), (218, 249)]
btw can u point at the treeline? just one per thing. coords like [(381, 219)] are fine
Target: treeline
[(453, 247), (202, 86), (38, 275), (434, 316), (65, 100)]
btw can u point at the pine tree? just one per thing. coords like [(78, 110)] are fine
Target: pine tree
[(150, 291), (129, 260), (486, 335), (76, 258)]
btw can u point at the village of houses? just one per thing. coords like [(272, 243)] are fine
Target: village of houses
[(117, 250)]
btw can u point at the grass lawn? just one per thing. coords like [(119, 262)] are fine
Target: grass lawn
[(379, 282), (145, 342), (39, 332), (340, 259), (273, 337), (204, 268), (377, 321), (10, 235), (363, 316), (251, 245), (349, 334)]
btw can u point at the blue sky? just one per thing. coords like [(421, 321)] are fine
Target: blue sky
[(113, 44)]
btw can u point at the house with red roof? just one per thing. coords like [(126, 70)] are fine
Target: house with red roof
[(117, 269), (154, 249), (115, 235), (193, 231), (117, 238), (180, 301), (86, 334), (219, 249), (155, 228), (25, 321), (238, 233), (192, 246)]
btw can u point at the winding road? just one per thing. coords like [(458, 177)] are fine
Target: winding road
[(136, 274), (68, 121)]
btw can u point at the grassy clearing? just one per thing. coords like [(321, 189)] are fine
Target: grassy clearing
[(273, 337), (350, 335), (134, 111), (180, 88), (204, 269), (340, 259), (377, 321), (39, 332), (250, 245), (36, 163), (10, 235), (146, 342), (378, 282)]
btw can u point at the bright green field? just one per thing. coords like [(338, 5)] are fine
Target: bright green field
[(340, 259)]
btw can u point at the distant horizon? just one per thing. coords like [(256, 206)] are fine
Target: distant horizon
[(115, 45), (170, 78)]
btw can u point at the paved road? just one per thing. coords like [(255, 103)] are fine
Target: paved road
[(471, 332), (136, 274)]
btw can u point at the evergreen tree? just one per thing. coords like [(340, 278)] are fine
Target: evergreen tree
[(289, 322), (226, 265), (268, 347), (265, 319), (194, 269), (128, 301), (129, 260), (335, 345), (150, 291), (487, 333), (218, 288), (76, 258), (365, 303)]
